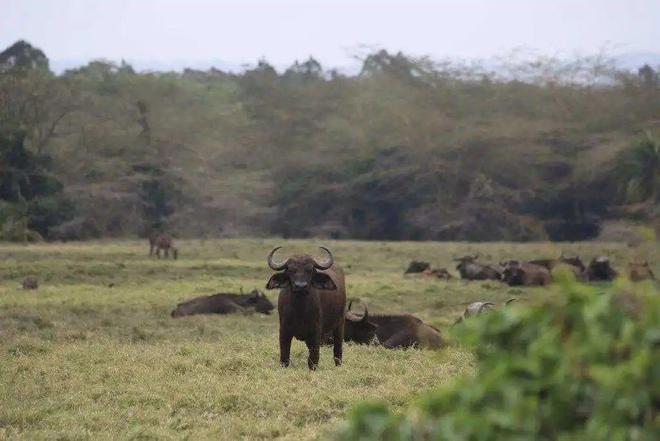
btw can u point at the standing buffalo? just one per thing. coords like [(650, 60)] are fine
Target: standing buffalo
[(599, 269), (525, 274), (471, 270), (162, 241), (640, 271), (393, 331), (310, 305), (224, 303)]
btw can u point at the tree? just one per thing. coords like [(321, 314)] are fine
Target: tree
[(22, 56), (639, 169)]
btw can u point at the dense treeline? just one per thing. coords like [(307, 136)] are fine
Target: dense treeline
[(406, 149)]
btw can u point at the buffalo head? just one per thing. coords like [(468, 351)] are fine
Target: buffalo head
[(358, 328), (300, 273), (513, 273), (260, 302), (572, 260)]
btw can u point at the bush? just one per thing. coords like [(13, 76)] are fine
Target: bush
[(587, 368)]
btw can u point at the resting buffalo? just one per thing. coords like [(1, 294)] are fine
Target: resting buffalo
[(162, 241), (392, 330), (310, 305), (599, 269), (525, 274), (640, 271), (471, 270), (30, 282), (574, 262), (224, 303), (478, 308), (417, 267), (440, 273)]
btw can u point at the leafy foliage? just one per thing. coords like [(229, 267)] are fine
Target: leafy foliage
[(640, 169), (585, 368), (406, 149)]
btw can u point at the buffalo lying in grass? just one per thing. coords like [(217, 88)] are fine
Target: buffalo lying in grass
[(478, 308), (417, 266), (525, 274), (224, 303), (638, 271), (600, 270), (573, 263), (399, 330), (470, 269), (30, 282)]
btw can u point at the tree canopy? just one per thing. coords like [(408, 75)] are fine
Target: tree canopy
[(408, 148)]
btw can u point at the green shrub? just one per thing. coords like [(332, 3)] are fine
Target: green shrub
[(587, 368)]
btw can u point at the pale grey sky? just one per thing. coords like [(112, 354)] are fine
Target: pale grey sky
[(285, 30)]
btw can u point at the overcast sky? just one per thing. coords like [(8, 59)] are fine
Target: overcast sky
[(331, 30)]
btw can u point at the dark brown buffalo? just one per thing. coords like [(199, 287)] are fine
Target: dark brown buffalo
[(440, 273), (525, 274), (162, 241), (638, 271), (599, 269), (30, 282), (224, 303), (550, 264), (393, 331), (310, 305), (417, 266), (471, 270)]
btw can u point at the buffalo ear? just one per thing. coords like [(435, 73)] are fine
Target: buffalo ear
[(279, 280), (323, 281)]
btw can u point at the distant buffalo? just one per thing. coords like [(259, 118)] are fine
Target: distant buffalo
[(311, 304), (30, 282), (525, 274), (393, 331), (417, 266), (638, 271), (600, 269), (224, 303), (440, 273), (470, 269), (162, 241), (478, 308), (573, 262)]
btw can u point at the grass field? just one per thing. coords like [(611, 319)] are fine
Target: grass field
[(94, 354)]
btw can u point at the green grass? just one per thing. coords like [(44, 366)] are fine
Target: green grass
[(80, 359)]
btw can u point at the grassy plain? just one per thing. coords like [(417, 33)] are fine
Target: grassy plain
[(94, 354)]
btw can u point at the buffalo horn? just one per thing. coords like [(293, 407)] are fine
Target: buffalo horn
[(272, 264), (365, 315), (328, 263)]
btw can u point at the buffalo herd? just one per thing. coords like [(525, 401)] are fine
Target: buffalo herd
[(539, 272), (312, 299)]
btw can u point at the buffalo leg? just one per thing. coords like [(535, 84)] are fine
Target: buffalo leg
[(338, 336), (151, 249), (167, 253), (401, 339), (313, 344), (285, 348), (158, 252)]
